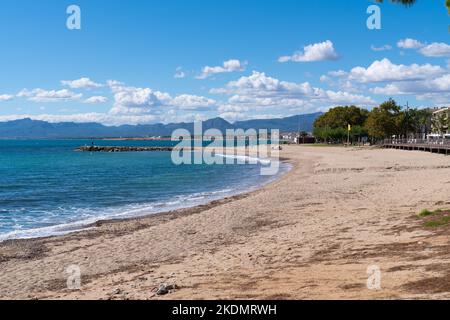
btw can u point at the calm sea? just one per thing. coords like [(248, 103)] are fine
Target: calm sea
[(46, 188)]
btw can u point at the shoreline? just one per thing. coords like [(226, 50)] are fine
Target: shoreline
[(311, 234), (65, 229)]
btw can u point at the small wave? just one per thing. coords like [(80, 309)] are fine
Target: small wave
[(246, 159), (90, 216)]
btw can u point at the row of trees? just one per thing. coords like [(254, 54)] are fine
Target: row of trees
[(384, 121)]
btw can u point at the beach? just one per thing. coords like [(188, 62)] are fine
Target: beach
[(313, 234)]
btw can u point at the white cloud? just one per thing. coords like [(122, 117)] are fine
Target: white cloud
[(232, 108), (228, 66), (342, 97), (313, 52), (179, 73), (114, 85), (433, 85), (436, 50), (338, 73), (409, 44), (6, 97), (385, 47), (173, 117), (385, 70), (324, 78), (103, 118), (24, 93), (96, 100), (133, 100), (259, 91), (41, 95), (83, 83), (233, 116), (188, 101), (258, 84)]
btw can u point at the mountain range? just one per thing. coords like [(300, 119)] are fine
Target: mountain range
[(36, 129)]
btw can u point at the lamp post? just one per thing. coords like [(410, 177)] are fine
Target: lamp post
[(407, 120), (348, 134)]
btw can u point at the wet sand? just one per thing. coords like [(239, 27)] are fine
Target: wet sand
[(310, 235)]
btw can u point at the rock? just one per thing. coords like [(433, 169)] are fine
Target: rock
[(165, 289), (124, 149)]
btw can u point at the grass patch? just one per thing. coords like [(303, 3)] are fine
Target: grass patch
[(433, 224), (437, 218), (426, 213)]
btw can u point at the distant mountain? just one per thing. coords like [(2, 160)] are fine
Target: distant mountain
[(35, 129), (303, 122)]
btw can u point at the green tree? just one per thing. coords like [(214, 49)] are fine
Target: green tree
[(333, 125), (385, 120), (358, 132), (404, 2), (411, 2), (417, 121), (332, 135), (341, 117)]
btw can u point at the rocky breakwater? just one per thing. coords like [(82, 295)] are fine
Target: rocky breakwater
[(123, 149)]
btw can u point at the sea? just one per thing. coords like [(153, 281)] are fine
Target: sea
[(47, 188)]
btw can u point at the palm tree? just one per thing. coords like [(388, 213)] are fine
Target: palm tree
[(404, 2), (411, 2)]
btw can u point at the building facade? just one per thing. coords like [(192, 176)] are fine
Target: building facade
[(440, 121)]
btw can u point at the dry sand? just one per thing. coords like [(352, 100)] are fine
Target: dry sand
[(310, 235)]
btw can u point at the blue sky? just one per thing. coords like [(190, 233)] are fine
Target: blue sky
[(168, 61)]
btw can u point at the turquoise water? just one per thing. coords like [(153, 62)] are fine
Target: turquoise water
[(46, 188)]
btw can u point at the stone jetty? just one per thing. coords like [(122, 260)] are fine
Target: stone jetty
[(123, 149)]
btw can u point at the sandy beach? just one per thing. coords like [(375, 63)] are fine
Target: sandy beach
[(313, 234)]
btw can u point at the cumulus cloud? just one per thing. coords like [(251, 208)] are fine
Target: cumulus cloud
[(6, 97), (41, 95), (435, 49), (96, 100), (333, 74), (133, 100), (313, 52), (433, 85), (114, 85), (82, 83), (174, 117), (385, 70), (188, 101), (338, 73), (228, 66), (259, 91), (409, 44), (258, 84)]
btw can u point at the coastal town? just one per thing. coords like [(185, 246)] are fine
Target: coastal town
[(431, 128)]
